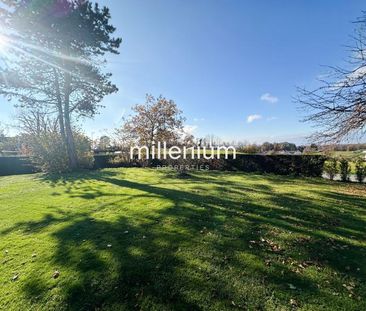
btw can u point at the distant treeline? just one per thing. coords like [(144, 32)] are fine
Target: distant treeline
[(16, 145), (270, 147), (345, 147)]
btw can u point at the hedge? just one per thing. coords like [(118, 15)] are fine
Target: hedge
[(16, 166), (298, 165)]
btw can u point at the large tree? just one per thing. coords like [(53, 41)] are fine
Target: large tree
[(157, 120), (54, 56), (338, 106)]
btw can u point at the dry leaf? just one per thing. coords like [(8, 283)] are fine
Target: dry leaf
[(56, 274), (293, 303)]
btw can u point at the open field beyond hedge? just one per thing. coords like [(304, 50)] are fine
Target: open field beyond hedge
[(141, 239)]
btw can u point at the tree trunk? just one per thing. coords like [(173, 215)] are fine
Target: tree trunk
[(59, 108), (70, 143)]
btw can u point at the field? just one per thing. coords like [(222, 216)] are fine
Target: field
[(350, 156), (142, 239)]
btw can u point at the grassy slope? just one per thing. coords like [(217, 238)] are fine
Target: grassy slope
[(215, 241)]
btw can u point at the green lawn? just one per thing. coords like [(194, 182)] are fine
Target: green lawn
[(141, 239)]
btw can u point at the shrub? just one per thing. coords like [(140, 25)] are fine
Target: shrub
[(360, 170), (48, 152), (331, 168), (83, 151), (345, 169)]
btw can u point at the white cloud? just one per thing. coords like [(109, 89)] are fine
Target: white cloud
[(359, 73), (267, 97), (198, 119), (253, 117), (189, 129), (350, 79)]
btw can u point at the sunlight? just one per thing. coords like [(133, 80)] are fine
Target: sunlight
[(35, 52), (3, 42), (29, 51)]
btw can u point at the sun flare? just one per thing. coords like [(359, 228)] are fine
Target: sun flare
[(3, 42)]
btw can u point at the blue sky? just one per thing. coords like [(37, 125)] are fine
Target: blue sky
[(224, 61)]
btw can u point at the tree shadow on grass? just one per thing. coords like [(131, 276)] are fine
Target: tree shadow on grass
[(203, 252)]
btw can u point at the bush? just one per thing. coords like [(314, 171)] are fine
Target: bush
[(331, 168), (48, 152), (115, 160), (345, 170), (360, 170), (83, 151)]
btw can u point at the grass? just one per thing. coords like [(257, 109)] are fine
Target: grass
[(141, 239), (350, 156)]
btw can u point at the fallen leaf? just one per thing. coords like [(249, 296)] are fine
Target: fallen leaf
[(56, 274), (293, 303)]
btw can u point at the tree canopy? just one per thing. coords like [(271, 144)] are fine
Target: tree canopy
[(54, 60), (158, 119)]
